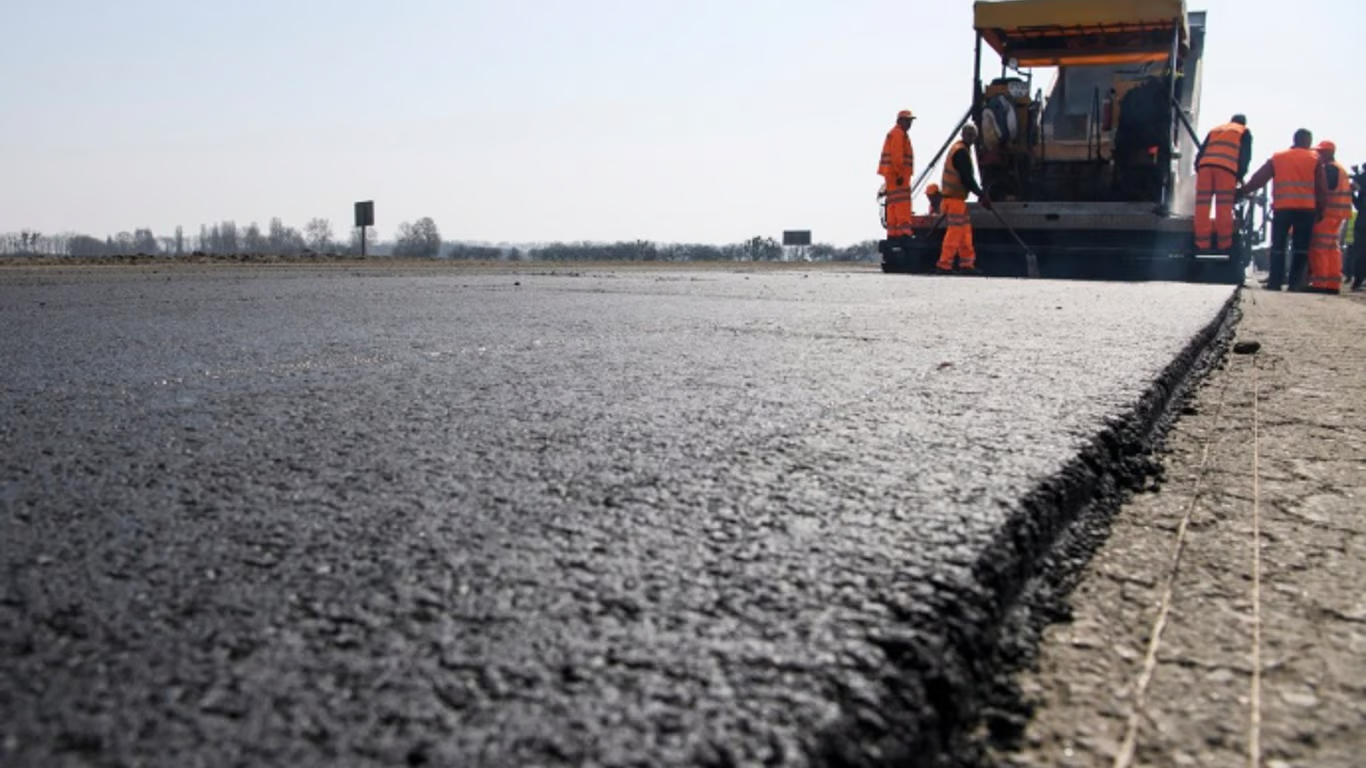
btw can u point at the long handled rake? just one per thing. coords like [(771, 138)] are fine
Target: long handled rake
[(1031, 260)]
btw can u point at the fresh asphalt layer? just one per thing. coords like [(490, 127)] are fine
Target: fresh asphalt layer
[(268, 515)]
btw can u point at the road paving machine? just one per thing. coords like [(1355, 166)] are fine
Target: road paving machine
[(1096, 178)]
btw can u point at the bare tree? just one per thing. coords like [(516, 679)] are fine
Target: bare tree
[(319, 234), (420, 238), (28, 241), (252, 239), (57, 245), (227, 237), (144, 242), (85, 246), (284, 240)]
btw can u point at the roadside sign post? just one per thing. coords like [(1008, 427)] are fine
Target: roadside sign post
[(798, 239), (365, 217)]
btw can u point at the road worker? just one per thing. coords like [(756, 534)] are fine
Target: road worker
[(958, 180), (1221, 165), (896, 167), (935, 198), (1325, 250), (1298, 198)]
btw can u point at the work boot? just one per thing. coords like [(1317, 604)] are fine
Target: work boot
[(970, 270)]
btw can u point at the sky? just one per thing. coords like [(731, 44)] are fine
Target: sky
[(523, 121)]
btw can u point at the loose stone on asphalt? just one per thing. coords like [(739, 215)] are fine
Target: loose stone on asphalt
[(621, 517)]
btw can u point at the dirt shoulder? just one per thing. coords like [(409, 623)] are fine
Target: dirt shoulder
[(1187, 645)]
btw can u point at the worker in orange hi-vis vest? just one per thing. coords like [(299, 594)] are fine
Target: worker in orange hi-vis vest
[(1221, 165), (896, 167), (1299, 197), (958, 180), (1325, 250), (936, 199)]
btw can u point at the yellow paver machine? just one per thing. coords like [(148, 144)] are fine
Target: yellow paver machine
[(1095, 179)]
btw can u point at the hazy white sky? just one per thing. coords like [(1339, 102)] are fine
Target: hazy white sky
[(706, 121)]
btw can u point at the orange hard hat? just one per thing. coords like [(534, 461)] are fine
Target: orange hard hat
[(932, 190), (1327, 146), (905, 113)]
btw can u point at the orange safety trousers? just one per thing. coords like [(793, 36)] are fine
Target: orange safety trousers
[(898, 207), (1214, 184), (1325, 256), (957, 235)]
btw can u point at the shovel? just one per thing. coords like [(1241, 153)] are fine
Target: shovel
[(1031, 261)]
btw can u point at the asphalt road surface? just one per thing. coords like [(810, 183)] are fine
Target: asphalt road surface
[(358, 516)]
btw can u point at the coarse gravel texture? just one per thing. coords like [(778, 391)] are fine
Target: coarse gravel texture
[(376, 516), (1224, 623)]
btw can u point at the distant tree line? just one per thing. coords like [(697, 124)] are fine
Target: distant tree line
[(754, 249), (416, 239), (420, 238)]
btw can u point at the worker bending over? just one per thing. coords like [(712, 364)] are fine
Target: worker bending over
[(936, 199), (897, 166), (1298, 198), (957, 182), (1220, 165), (1325, 249)]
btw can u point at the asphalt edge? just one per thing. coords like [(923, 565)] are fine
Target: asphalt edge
[(955, 700), (1068, 520)]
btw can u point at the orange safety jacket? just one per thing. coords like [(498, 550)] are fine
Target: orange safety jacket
[(1339, 204), (1223, 147), (1295, 171), (898, 157), (951, 186)]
